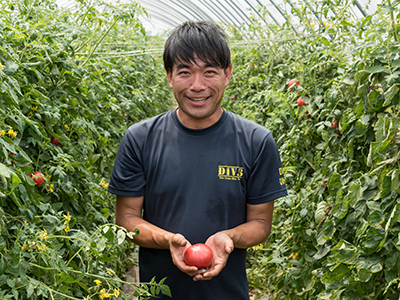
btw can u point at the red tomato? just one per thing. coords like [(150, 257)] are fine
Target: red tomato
[(300, 102), (334, 125), (55, 141), (293, 81), (12, 163), (233, 98), (198, 255), (37, 177)]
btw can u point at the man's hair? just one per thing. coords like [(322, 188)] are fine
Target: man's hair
[(204, 39)]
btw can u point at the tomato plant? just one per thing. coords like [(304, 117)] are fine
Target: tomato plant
[(55, 141), (38, 178), (335, 235), (300, 102), (57, 87), (292, 82), (198, 255)]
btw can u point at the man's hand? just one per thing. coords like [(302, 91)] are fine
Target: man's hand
[(177, 246), (221, 245)]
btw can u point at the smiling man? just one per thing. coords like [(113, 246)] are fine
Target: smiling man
[(197, 174)]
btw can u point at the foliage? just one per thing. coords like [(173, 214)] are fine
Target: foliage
[(336, 236), (68, 76)]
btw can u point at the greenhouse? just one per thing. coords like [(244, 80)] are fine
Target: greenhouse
[(279, 154)]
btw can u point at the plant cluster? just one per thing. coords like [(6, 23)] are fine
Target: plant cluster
[(71, 83), (336, 236)]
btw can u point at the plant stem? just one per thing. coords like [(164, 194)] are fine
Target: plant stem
[(100, 40), (56, 292), (393, 22), (30, 10), (79, 272)]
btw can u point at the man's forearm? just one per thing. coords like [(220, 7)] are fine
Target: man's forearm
[(150, 236), (249, 234), (257, 228), (129, 215)]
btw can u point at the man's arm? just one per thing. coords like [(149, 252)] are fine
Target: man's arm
[(257, 228), (255, 231), (129, 216)]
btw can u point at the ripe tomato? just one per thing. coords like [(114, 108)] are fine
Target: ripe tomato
[(55, 141), (300, 102), (198, 255), (334, 124), (233, 98), (37, 177), (293, 81)]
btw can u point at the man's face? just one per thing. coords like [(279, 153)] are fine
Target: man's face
[(198, 88)]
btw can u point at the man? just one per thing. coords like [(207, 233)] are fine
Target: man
[(197, 174)]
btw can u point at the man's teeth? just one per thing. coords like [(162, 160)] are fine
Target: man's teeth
[(198, 99)]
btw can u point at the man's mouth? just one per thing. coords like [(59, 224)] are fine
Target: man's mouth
[(200, 100)]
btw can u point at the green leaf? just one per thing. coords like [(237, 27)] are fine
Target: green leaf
[(376, 218), (8, 145), (15, 182), (364, 275), (121, 236), (345, 23), (10, 67), (166, 291), (344, 252), (376, 69), (373, 239), (5, 171), (322, 252), (395, 180), (338, 275), (396, 63), (390, 93), (348, 81), (387, 8), (325, 41), (354, 194), (101, 244), (30, 290)]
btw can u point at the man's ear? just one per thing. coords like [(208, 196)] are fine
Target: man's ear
[(169, 77), (228, 73)]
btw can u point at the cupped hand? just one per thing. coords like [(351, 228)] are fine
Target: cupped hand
[(222, 246), (177, 246)]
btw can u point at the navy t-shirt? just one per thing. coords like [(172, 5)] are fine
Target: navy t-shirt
[(197, 182)]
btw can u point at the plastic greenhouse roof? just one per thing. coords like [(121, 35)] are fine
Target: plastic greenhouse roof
[(166, 14)]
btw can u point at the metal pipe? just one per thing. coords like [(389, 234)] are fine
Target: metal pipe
[(283, 15), (360, 7), (259, 15), (271, 15)]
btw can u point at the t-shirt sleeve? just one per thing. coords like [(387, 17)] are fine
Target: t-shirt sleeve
[(127, 177), (266, 181)]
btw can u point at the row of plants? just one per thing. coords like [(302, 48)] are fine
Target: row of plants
[(329, 93), (70, 85)]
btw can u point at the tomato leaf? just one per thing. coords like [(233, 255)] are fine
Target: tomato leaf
[(376, 69), (4, 171)]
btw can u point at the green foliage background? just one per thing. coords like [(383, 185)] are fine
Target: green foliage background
[(336, 236), (55, 239)]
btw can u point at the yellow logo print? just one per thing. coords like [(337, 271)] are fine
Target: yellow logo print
[(281, 179), (230, 172)]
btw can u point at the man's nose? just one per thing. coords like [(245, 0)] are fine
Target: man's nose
[(197, 82)]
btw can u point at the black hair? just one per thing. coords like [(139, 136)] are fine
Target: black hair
[(204, 39)]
